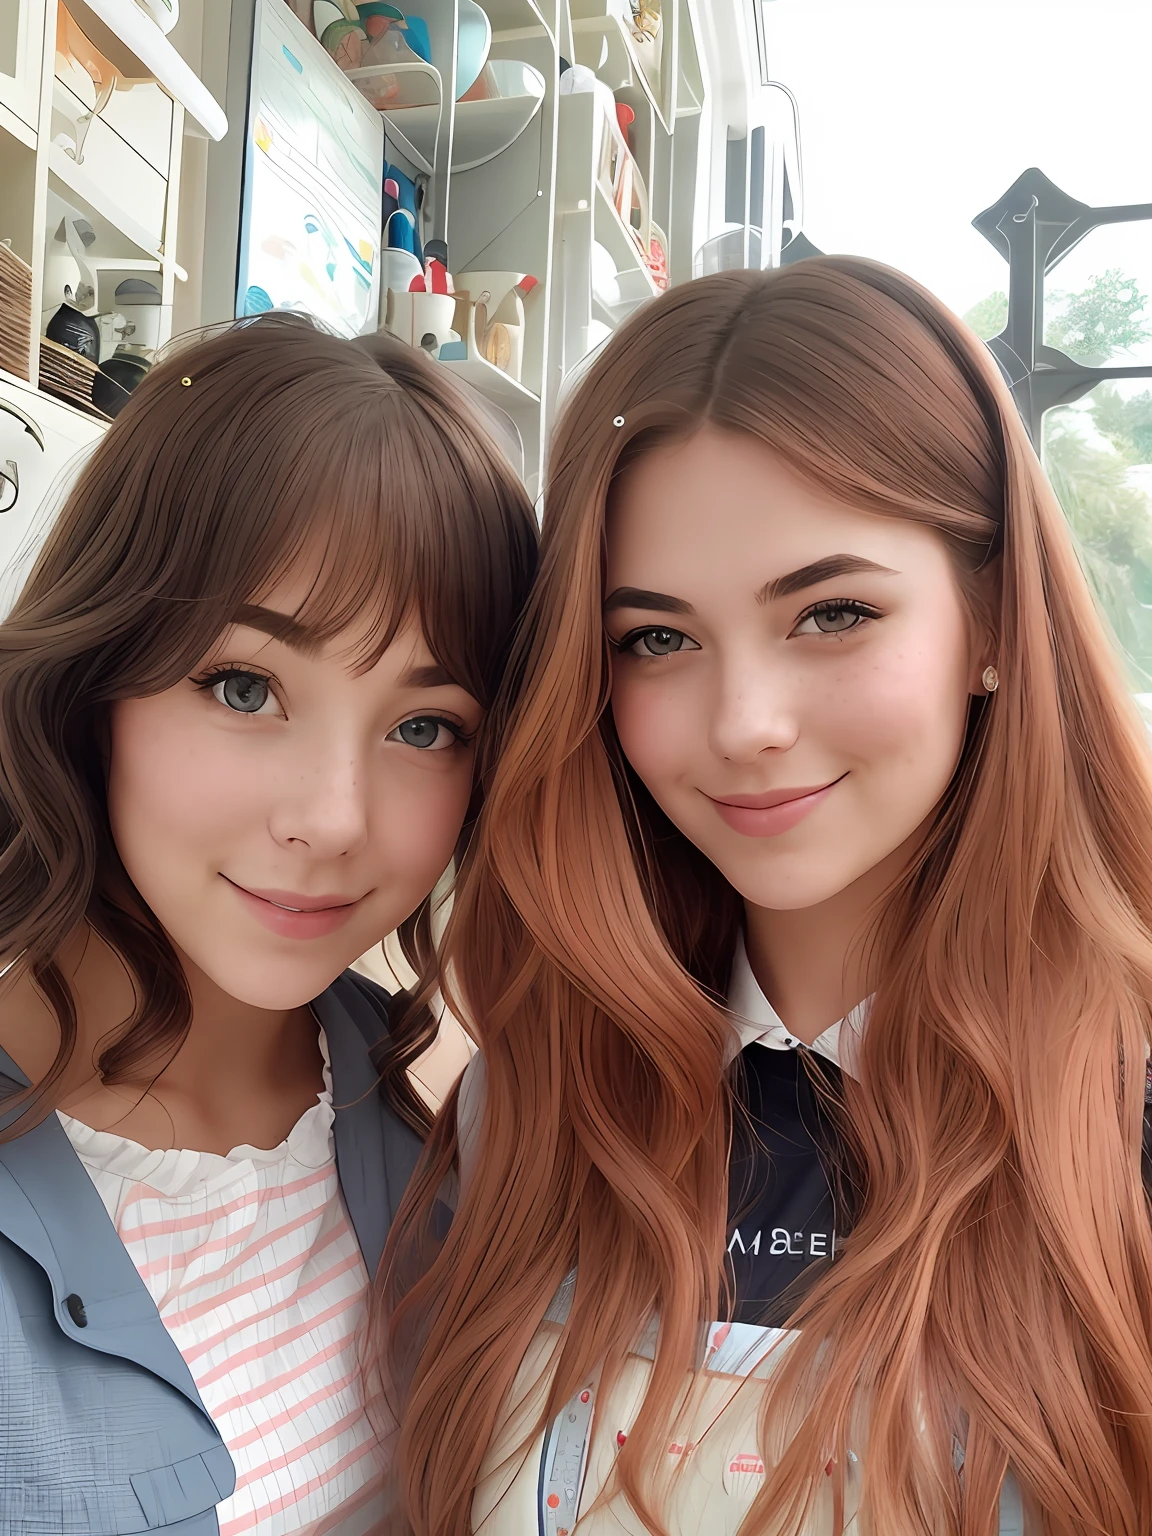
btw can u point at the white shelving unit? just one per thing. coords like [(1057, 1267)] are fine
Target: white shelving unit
[(68, 149), (535, 204)]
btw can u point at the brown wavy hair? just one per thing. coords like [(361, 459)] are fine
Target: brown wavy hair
[(246, 451), (996, 1288)]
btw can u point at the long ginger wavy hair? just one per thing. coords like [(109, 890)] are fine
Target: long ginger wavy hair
[(996, 1288)]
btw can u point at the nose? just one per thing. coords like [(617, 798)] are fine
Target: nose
[(754, 710), (322, 801)]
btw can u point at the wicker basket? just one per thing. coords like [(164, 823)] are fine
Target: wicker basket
[(15, 312), (68, 376)]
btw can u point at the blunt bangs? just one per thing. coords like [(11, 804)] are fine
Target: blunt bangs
[(358, 462)]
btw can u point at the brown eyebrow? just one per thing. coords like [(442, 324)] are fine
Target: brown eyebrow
[(819, 570), (280, 626), (650, 602), (433, 676), (781, 586)]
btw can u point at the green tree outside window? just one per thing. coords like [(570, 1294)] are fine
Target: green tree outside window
[(1098, 454)]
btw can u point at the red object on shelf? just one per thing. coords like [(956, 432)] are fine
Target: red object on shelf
[(436, 275), (625, 117)]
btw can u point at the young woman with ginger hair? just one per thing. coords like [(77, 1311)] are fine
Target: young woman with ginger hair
[(812, 706)]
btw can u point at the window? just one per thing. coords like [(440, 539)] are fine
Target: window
[(1073, 336)]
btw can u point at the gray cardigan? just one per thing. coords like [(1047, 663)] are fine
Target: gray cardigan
[(102, 1430)]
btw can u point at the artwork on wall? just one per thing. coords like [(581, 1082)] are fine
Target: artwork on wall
[(313, 183)]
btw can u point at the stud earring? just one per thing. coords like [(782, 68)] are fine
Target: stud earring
[(991, 679)]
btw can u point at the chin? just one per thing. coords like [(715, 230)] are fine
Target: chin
[(276, 983), (788, 890)]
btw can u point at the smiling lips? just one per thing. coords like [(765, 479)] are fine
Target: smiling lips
[(776, 811), (293, 916)]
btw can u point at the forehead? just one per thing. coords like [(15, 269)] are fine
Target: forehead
[(304, 608), (723, 504)]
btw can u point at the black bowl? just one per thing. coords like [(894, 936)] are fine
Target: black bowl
[(107, 395), (79, 333), (127, 371)]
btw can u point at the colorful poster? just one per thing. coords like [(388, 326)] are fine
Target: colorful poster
[(313, 184)]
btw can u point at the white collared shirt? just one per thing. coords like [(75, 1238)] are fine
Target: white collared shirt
[(756, 1022)]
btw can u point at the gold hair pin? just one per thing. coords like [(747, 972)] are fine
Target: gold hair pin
[(186, 381)]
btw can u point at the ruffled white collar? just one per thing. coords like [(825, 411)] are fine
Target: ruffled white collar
[(177, 1173)]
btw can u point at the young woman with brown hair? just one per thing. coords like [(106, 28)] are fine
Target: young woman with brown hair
[(239, 696), (815, 740)]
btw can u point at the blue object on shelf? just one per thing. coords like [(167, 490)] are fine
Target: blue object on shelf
[(403, 233), (453, 352), (417, 37)]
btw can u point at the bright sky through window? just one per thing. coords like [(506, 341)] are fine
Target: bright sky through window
[(917, 114)]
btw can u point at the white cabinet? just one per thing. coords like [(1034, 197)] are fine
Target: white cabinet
[(21, 58), (93, 99), (42, 445)]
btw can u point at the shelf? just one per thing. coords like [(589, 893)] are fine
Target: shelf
[(115, 229), (90, 417), (418, 82), (17, 381), (598, 42), (612, 315), (522, 17), (483, 130), (496, 385), (413, 131), (690, 77), (605, 45), (17, 128), (133, 42), (613, 234)]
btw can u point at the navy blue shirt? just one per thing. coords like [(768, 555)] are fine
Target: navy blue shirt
[(783, 1215)]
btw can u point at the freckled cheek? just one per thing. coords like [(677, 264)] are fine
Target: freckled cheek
[(168, 781), (656, 726), (416, 820), (906, 704)]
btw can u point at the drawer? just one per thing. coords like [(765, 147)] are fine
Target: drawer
[(140, 115), (43, 474), (21, 48), (115, 177)]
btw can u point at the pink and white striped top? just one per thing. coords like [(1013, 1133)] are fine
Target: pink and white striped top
[(256, 1272)]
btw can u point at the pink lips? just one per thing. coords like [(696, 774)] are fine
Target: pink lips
[(776, 811), (294, 916)]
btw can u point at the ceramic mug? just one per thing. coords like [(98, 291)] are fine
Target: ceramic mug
[(412, 316), (398, 268)]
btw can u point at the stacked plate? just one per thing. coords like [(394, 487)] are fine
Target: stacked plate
[(67, 375), (15, 312)]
